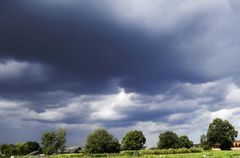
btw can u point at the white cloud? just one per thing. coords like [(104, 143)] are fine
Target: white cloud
[(233, 93), (12, 70), (7, 105), (162, 15), (183, 114), (107, 107)]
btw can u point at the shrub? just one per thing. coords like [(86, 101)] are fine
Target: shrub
[(130, 153), (8, 149), (170, 151), (196, 150), (182, 150)]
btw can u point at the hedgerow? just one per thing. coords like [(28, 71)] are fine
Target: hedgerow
[(170, 151)]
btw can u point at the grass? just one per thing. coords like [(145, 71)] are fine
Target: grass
[(205, 154)]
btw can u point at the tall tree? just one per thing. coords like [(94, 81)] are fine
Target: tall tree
[(184, 142), (168, 140), (221, 132), (52, 141), (61, 139), (100, 141), (133, 140), (49, 141), (204, 142)]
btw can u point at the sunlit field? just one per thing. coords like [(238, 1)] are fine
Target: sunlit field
[(207, 154)]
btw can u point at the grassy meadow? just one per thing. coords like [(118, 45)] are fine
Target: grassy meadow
[(205, 154)]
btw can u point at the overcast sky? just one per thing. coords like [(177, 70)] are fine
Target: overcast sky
[(150, 65)]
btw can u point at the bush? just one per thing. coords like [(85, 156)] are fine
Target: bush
[(170, 151), (196, 150), (8, 149), (103, 155), (26, 147), (182, 150), (130, 153)]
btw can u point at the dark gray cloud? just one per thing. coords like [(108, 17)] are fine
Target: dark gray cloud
[(119, 65), (87, 48)]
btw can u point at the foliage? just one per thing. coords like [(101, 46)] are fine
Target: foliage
[(20, 148), (170, 151), (133, 140), (49, 141), (203, 154), (100, 141), (184, 142), (168, 140), (52, 141), (8, 149), (204, 142), (130, 153), (26, 148), (196, 150), (221, 132), (61, 139)]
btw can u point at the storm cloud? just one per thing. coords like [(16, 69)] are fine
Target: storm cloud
[(121, 65)]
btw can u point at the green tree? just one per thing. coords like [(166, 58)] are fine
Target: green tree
[(221, 132), (133, 140), (8, 149), (20, 148), (184, 142), (168, 140), (204, 142), (53, 141), (26, 148), (31, 146), (49, 141), (61, 139), (100, 141)]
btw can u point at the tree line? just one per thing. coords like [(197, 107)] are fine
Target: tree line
[(220, 133), (52, 142)]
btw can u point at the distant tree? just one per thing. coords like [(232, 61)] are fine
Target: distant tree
[(221, 132), (204, 142), (61, 139), (31, 146), (168, 140), (8, 149), (115, 146), (26, 148), (184, 142), (49, 141), (54, 141), (133, 140), (20, 148), (100, 141)]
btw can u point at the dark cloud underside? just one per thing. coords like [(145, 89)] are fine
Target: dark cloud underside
[(120, 65)]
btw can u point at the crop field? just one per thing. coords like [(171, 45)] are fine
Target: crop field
[(207, 154)]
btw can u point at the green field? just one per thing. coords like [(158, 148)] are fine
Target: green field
[(208, 154)]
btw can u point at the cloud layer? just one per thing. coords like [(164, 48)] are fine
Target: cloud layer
[(121, 65)]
